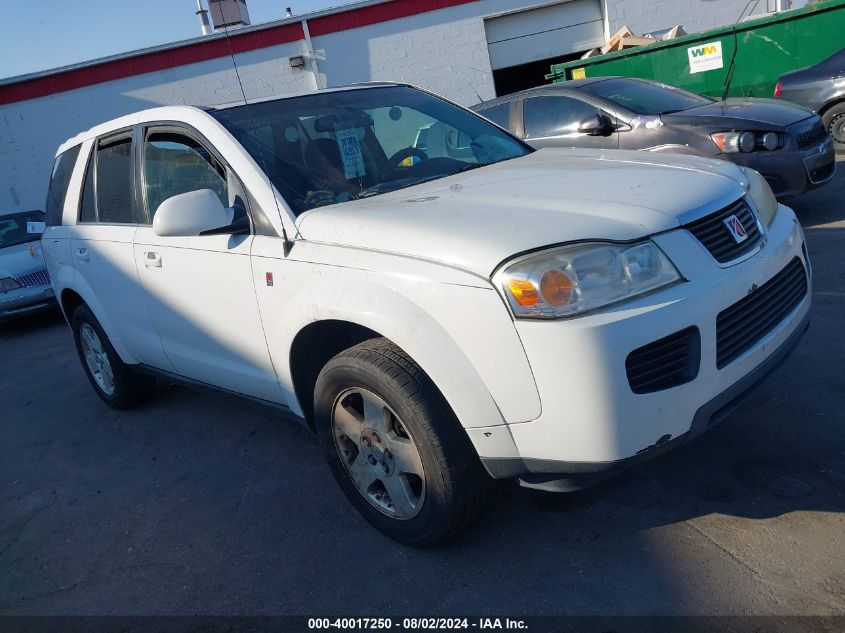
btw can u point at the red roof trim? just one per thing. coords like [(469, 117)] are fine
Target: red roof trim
[(355, 18), (213, 49)]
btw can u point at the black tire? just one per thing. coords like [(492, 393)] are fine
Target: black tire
[(130, 387), (454, 477), (834, 123)]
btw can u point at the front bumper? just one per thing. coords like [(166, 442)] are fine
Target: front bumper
[(21, 301), (592, 424), (791, 172)]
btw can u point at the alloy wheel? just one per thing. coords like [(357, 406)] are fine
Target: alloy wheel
[(96, 359), (378, 453)]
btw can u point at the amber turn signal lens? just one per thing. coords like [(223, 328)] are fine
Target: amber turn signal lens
[(523, 291), (556, 288)]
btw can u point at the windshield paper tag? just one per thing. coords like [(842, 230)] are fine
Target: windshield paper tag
[(350, 152), (36, 228), (705, 57)]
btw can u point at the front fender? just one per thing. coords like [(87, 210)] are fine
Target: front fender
[(461, 335)]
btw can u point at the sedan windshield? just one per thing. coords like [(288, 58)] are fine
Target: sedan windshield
[(13, 228), (645, 97), (331, 147)]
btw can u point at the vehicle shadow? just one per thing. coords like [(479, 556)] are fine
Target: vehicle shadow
[(26, 324)]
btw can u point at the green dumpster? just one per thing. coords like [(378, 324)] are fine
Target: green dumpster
[(743, 59)]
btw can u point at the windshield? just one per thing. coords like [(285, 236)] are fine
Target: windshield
[(645, 97), (333, 147), (13, 228)]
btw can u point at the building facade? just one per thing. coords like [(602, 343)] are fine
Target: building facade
[(466, 50)]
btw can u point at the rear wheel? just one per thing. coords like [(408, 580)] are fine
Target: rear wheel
[(114, 381), (834, 122), (394, 446)]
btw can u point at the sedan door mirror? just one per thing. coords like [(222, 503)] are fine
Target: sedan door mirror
[(190, 214), (596, 125)]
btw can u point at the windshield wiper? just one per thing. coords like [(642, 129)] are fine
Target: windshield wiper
[(467, 167)]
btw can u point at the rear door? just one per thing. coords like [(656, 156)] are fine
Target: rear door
[(102, 255), (200, 290), (553, 121)]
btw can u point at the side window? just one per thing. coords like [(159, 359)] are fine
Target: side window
[(554, 116), (499, 114), (108, 193), (174, 164), (115, 199), (59, 182)]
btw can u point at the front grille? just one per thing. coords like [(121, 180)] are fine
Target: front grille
[(671, 361), (712, 232), (37, 278), (813, 136), (741, 326)]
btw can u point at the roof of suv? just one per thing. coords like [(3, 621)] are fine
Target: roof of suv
[(180, 112)]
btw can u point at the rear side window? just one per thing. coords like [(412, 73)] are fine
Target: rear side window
[(499, 114), (108, 192), (554, 116), (59, 182)]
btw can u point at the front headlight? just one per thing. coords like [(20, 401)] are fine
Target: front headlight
[(761, 195), (7, 283), (733, 142), (571, 280)]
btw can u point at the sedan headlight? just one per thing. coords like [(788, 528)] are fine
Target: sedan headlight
[(761, 195), (7, 283), (575, 279), (734, 142)]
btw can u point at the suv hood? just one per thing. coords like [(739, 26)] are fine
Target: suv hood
[(480, 218), (741, 114)]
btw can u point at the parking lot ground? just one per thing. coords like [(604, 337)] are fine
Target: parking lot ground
[(205, 504)]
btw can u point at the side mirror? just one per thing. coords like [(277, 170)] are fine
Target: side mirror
[(596, 125), (189, 214)]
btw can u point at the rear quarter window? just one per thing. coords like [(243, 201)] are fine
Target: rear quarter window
[(499, 114), (59, 183)]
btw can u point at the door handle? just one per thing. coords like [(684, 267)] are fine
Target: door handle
[(81, 254), (152, 260)]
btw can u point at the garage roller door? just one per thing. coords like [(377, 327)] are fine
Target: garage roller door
[(549, 31)]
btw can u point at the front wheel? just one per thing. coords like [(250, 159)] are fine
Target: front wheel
[(834, 122), (394, 446)]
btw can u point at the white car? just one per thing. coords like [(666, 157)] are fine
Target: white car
[(439, 317), (24, 281)]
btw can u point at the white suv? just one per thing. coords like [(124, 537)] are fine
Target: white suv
[(438, 314)]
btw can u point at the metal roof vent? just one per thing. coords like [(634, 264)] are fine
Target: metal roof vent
[(228, 13)]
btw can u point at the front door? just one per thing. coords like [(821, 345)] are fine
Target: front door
[(200, 289)]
